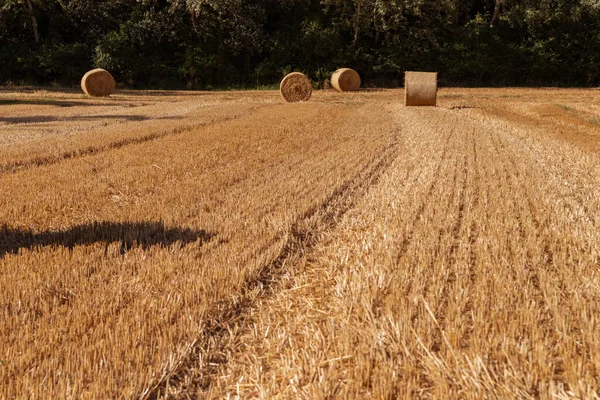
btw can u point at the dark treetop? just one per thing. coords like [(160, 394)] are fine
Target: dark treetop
[(240, 43)]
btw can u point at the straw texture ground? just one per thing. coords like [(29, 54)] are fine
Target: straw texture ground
[(354, 249), (345, 80), (420, 88), (98, 83), (296, 87)]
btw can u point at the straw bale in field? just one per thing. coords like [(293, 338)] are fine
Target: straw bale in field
[(345, 80), (296, 87), (98, 83), (420, 88)]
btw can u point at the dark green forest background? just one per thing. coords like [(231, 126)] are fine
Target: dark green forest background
[(203, 44)]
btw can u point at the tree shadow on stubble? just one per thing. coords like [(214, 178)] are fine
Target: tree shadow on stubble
[(62, 103), (38, 119), (128, 234)]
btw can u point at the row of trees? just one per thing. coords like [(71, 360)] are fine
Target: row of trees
[(216, 43)]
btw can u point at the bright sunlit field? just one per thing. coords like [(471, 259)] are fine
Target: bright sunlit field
[(206, 244)]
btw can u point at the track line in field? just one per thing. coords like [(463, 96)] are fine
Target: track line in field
[(538, 224), (472, 237), (452, 256), (306, 233), (512, 189), (505, 122), (545, 322), (510, 173), (409, 234), (577, 200), (533, 279), (16, 166), (458, 192), (548, 265), (557, 277), (507, 184), (533, 212), (450, 148), (532, 159)]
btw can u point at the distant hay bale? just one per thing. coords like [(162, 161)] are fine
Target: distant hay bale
[(420, 88), (296, 87), (98, 83), (345, 80)]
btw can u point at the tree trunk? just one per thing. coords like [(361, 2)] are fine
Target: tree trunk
[(376, 26), (193, 18), (34, 22), (496, 13), (356, 24), (456, 11)]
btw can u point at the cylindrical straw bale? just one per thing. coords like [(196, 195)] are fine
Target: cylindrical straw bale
[(296, 87), (420, 88), (345, 80), (98, 83)]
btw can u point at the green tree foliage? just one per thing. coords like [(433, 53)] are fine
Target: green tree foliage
[(215, 43)]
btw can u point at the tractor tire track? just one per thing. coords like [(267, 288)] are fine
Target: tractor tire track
[(472, 238), (16, 166), (437, 250), (551, 168), (557, 278), (452, 256), (305, 233), (457, 196), (533, 271), (409, 235)]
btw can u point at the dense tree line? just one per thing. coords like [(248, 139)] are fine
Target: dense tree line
[(216, 43)]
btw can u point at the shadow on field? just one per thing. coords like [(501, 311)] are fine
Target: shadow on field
[(36, 119), (462, 107), (53, 102), (142, 234), (162, 93)]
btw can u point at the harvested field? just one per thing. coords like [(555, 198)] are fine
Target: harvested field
[(183, 245)]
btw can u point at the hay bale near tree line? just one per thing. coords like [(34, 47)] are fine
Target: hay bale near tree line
[(345, 80), (295, 87), (420, 88), (98, 83)]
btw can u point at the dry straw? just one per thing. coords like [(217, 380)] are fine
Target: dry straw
[(98, 83), (345, 80), (296, 87), (420, 88)]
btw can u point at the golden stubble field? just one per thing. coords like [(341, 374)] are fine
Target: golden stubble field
[(214, 244)]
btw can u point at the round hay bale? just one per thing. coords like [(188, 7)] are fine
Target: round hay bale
[(98, 83), (295, 87), (345, 80), (420, 88)]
